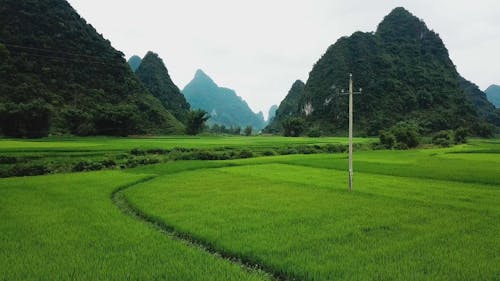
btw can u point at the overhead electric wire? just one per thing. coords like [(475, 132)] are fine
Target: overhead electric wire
[(56, 55)]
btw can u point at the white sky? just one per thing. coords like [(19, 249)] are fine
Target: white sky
[(260, 47)]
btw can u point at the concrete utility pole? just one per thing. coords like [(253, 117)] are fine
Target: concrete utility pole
[(351, 94)]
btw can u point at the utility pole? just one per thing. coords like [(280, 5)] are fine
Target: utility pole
[(351, 105)]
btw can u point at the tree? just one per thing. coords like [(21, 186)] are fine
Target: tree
[(30, 120), (248, 131), (293, 126), (460, 135), (196, 121), (407, 134)]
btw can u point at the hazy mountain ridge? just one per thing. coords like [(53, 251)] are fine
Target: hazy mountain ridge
[(59, 75), (223, 104), (134, 62), (493, 94)]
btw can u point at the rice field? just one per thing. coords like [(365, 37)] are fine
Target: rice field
[(428, 214)]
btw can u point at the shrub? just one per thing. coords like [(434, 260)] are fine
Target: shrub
[(335, 148), (306, 149), (157, 151), (205, 155), (85, 165), (314, 133), (246, 154), (8, 160), (387, 139), (443, 138), (248, 131), (22, 170), (460, 135), (269, 153), (108, 163), (293, 126), (196, 121), (137, 152), (406, 133), (484, 130), (30, 120)]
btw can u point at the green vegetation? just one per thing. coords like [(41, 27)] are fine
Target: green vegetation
[(293, 126), (59, 155), (415, 214), (63, 77), (288, 107), (154, 75), (66, 227), (224, 106), (406, 75), (294, 215), (196, 121)]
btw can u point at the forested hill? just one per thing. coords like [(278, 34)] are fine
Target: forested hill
[(493, 93), (288, 107), (154, 75), (406, 75), (222, 104), (58, 75)]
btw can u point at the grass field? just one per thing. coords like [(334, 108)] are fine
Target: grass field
[(430, 214)]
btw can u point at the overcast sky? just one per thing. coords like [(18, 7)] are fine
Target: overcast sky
[(260, 47)]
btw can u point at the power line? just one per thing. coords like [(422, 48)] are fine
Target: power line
[(77, 58), (49, 50)]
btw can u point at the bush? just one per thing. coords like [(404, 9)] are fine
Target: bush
[(196, 121), (269, 153), (484, 130), (335, 148), (8, 160), (406, 133), (246, 154), (306, 149), (293, 126), (85, 165), (443, 139), (30, 120), (157, 151), (387, 139), (248, 131), (460, 135), (25, 170), (137, 152), (314, 133)]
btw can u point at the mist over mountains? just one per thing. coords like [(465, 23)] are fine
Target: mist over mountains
[(493, 94), (223, 105)]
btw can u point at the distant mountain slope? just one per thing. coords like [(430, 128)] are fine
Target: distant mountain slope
[(288, 107), (271, 113), (134, 62), (59, 75), (406, 74), (154, 75), (224, 106), (484, 108), (493, 93)]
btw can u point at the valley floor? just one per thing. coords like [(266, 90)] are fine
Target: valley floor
[(429, 214)]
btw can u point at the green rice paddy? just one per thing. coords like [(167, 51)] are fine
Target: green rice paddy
[(428, 214)]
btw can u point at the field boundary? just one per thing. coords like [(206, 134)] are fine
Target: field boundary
[(127, 208)]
